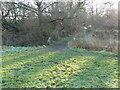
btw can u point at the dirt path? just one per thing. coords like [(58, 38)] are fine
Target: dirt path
[(60, 46)]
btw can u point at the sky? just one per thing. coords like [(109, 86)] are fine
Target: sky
[(114, 1), (95, 1)]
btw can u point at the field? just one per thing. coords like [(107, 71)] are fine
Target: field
[(58, 67)]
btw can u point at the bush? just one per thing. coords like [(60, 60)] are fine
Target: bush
[(98, 40)]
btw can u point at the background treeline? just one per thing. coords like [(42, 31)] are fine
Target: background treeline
[(31, 23)]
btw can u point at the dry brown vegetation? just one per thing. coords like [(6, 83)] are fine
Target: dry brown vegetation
[(99, 40)]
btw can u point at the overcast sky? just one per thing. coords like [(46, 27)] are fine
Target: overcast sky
[(114, 1), (95, 1)]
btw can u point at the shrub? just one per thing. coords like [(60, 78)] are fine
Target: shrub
[(98, 40)]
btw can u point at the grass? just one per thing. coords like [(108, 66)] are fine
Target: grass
[(42, 67), (89, 52)]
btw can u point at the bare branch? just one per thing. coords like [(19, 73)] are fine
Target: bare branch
[(24, 6), (49, 6), (62, 19)]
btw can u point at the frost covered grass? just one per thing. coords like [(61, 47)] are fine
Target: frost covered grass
[(19, 49)]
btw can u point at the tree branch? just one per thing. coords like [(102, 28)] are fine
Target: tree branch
[(48, 6), (24, 6), (62, 19)]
